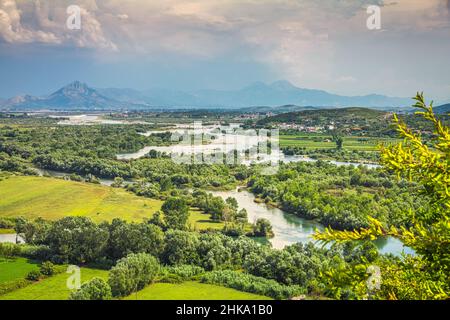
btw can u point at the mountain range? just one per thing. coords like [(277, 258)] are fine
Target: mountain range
[(79, 96), (74, 96), (445, 108)]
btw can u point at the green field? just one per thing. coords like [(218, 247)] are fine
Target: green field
[(201, 221), (53, 288), (52, 199), (192, 291), (322, 141), (15, 268)]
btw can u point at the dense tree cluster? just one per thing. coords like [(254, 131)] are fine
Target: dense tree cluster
[(343, 197), (338, 196), (334, 154), (140, 247), (92, 150), (219, 209), (426, 161)]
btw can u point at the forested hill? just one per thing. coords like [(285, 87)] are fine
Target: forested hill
[(320, 117), (444, 109)]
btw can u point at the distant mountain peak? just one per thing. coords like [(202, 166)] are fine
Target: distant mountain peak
[(283, 85), (79, 96), (74, 96), (443, 109), (76, 83), (75, 87)]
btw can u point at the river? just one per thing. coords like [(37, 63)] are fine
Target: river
[(90, 119), (10, 238), (289, 228), (224, 143)]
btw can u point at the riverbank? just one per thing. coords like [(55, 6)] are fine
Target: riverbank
[(289, 228)]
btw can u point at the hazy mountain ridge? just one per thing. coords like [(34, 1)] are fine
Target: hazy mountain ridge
[(78, 95), (74, 96), (445, 108), (260, 94)]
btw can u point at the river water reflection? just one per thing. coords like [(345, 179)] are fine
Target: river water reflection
[(289, 228)]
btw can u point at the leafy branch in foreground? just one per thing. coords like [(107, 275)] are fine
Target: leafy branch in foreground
[(426, 162)]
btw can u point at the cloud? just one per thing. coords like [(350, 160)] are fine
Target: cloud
[(311, 43), (12, 30), (206, 28), (122, 16), (37, 22), (91, 34)]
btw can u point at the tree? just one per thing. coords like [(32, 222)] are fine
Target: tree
[(216, 207), (118, 182), (262, 228), (33, 232), (126, 238), (242, 216), (132, 273), (426, 162), (181, 247), (232, 203), (338, 140), (176, 213), (158, 220), (77, 239), (96, 289)]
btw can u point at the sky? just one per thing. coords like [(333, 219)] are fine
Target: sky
[(227, 44)]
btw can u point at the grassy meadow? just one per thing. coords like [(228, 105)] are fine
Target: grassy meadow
[(52, 288), (192, 290), (52, 199), (15, 268), (55, 287), (201, 221)]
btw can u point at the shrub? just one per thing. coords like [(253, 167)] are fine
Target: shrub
[(132, 273), (171, 278), (47, 268), (38, 252), (6, 223), (253, 284), (9, 250), (262, 228), (33, 275), (10, 286), (180, 273), (186, 272), (96, 289)]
